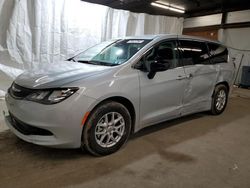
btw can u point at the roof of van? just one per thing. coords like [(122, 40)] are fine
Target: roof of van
[(152, 37), (197, 38)]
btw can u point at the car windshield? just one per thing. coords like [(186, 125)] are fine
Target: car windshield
[(111, 53)]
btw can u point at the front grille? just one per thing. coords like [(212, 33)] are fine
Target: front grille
[(19, 92), (27, 129)]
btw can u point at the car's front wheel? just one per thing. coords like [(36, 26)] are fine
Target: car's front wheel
[(107, 129), (219, 100)]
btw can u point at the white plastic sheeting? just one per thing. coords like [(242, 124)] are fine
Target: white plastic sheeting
[(41, 31), (125, 23)]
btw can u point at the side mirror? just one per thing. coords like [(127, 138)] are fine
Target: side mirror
[(157, 66)]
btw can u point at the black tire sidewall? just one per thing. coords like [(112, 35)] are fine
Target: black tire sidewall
[(97, 114), (218, 88)]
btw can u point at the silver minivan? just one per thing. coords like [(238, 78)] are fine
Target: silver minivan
[(98, 98)]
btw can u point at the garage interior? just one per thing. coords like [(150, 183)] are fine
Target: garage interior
[(198, 150)]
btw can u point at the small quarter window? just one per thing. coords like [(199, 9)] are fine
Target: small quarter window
[(218, 53)]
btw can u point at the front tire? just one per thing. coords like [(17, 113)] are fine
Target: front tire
[(107, 129), (219, 99)]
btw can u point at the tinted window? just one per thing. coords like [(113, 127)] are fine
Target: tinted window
[(219, 54), (165, 52), (193, 52)]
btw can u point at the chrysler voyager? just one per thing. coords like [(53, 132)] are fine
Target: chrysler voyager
[(97, 98)]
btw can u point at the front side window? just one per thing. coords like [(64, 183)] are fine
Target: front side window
[(193, 52), (166, 53), (111, 53), (218, 53)]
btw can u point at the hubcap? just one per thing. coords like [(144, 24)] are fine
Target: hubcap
[(221, 100), (109, 129)]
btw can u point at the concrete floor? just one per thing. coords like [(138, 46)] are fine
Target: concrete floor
[(195, 151)]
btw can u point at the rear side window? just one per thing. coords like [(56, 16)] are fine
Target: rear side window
[(193, 52), (218, 53)]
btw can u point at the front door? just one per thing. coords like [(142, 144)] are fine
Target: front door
[(161, 96)]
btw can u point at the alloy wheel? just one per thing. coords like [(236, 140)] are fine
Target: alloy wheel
[(109, 129), (221, 100)]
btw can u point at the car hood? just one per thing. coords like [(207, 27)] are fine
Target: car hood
[(57, 74)]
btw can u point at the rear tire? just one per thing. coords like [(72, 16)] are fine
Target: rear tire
[(219, 99), (107, 129)]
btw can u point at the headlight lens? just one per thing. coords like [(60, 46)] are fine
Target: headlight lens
[(51, 96)]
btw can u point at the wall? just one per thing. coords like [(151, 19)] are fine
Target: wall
[(202, 21), (211, 34), (215, 19), (237, 39)]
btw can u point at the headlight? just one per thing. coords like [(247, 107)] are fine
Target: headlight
[(51, 96)]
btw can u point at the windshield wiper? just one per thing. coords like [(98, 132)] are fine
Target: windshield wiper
[(103, 63), (87, 62), (71, 59), (96, 63)]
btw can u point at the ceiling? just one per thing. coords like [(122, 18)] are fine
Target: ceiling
[(192, 7)]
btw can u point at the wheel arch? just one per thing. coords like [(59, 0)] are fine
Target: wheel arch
[(124, 101), (225, 83)]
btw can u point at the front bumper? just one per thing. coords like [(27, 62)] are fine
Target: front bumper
[(62, 120)]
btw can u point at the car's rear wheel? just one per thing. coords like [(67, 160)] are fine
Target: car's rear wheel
[(107, 129), (219, 99)]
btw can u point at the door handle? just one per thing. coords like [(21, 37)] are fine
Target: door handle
[(181, 77)]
